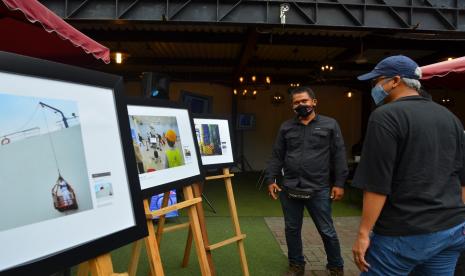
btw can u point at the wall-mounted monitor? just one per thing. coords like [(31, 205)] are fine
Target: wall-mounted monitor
[(197, 104), (214, 140), (67, 194), (245, 121), (163, 139)]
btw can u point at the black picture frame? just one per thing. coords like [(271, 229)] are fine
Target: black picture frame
[(149, 192), (191, 101), (57, 261), (223, 164)]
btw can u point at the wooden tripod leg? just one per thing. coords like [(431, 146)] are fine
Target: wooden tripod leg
[(203, 227), (235, 222), (187, 251), (197, 233), (162, 218), (135, 254), (83, 269), (102, 266), (151, 246)]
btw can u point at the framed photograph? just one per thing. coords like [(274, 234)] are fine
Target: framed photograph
[(213, 137), (67, 194), (197, 104), (163, 140), (245, 121)]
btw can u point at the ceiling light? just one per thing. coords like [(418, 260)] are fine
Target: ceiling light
[(119, 57)]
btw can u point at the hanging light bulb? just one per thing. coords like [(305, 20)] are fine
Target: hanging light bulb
[(254, 78), (349, 94), (119, 57), (322, 68), (241, 79), (244, 92), (235, 91), (254, 92), (268, 79), (330, 68)]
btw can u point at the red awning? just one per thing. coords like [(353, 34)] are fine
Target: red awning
[(446, 74), (29, 28)]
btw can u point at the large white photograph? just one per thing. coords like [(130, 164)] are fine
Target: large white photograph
[(63, 177), (43, 156), (213, 138), (163, 144)]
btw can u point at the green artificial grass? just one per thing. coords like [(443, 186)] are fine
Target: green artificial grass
[(263, 253), (264, 256), (251, 201)]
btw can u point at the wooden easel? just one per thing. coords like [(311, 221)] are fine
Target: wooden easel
[(152, 240), (238, 238), (100, 266)]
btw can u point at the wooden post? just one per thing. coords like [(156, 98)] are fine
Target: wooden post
[(235, 222), (197, 233), (198, 193), (99, 266), (134, 261), (151, 246), (162, 218)]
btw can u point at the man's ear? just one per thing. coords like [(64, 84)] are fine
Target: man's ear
[(397, 80), (315, 102)]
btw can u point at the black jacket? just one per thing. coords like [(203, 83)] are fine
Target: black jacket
[(311, 156)]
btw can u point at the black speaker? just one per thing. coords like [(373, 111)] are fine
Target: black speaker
[(155, 85)]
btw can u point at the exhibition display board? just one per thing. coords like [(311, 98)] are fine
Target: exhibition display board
[(163, 140), (70, 190), (213, 137), (167, 158)]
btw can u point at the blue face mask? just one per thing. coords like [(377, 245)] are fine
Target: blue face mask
[(379, 94)]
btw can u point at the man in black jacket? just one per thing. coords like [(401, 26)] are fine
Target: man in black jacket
[(308, 149)]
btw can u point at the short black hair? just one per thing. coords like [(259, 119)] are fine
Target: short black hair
[(303, 89)]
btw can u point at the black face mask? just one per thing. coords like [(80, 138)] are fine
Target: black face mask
[(303, 110)]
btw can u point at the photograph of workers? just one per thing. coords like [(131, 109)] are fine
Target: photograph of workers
[(208, 138), (156, 142), (44, 172)]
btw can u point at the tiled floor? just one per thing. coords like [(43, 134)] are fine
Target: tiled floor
[(346, 228)]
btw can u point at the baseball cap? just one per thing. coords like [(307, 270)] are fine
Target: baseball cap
[(392, 66)]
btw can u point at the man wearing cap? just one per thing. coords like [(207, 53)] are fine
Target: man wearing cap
[(412, 172), (307, 149)]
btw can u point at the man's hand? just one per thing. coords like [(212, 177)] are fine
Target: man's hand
[(337, 193), (359, 250), (273, 190)]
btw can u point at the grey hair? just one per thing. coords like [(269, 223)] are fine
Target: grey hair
[(412, 83)]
